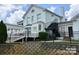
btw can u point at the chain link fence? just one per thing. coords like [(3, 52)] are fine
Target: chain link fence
[(38, 48)]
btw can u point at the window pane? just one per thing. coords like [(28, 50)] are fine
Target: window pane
[(32, 18), (39, 27), (38, 16), (28, 19), (32, 11)]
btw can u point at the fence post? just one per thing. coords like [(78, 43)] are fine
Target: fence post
[(70, 40), (22, 40), (10, 36)]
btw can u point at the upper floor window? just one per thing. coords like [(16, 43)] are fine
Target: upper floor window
[(28, 19), (32, 18), (55, 20), (52, 15), (38, 16), (32, 10)]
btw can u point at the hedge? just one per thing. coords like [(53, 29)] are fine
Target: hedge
[(43, 36)]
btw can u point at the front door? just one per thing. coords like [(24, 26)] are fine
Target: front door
[(70, 30)]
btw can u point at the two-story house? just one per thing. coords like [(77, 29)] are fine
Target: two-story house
[(36, 19)]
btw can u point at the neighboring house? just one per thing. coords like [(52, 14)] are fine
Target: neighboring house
[(70, 28)]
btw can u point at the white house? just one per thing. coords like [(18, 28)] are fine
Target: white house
[(38, 19), (70, 27)]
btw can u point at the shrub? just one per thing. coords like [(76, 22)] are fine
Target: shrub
[(3, 32), (43, 36)]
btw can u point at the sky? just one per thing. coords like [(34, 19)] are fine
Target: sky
[(13, 13)]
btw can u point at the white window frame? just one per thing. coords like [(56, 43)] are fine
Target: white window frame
[(38, 16), (28, 20), (39, 27), (32, 19)]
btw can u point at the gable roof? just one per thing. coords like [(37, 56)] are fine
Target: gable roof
[(13, 25), (20, 21), (75, 17), (41, 8)]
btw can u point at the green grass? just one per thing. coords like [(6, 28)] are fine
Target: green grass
[(73, 42)]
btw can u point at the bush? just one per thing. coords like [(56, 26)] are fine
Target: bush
[(3, 32), (43, 36)]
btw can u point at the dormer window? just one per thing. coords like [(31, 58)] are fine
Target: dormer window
[(32, 10)]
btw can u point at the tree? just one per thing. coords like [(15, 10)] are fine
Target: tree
[(3, 32)]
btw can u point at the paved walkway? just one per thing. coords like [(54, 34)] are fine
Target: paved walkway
[(56, 41)]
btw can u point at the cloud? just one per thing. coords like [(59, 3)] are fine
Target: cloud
[(15, 17), (11, 11), (52, 8), (74, 10)]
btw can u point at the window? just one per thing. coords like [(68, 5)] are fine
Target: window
[(34, 28), (55, 20), (52, 15), (39, 27), (32, 18), (28, 19), (38, 16), (32, 10), (8, 29)]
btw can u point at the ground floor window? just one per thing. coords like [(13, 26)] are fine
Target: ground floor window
[(34, 28), (39, 27)]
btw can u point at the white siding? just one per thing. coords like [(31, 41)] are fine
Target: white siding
[(76, 29), (63, 28), (34, 14), (51, 17), (35, 28), (14, 29)]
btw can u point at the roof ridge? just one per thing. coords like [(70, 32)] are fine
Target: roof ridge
[(42, 8)]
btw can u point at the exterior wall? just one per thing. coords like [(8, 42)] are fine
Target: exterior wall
[(14, 29), (76, 29), (63, 29), (35, 29), (46, 17), (51, 18), (30, 14)]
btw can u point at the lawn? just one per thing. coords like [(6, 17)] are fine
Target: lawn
[(73, 42)]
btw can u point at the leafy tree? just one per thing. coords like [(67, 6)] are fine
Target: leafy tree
[(3, 32)]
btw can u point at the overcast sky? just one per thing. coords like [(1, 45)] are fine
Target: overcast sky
[(12, 13)]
